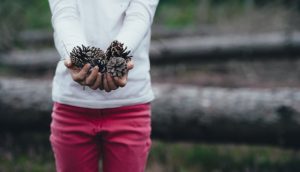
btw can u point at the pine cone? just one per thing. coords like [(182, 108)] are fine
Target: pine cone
[(113, 61), (92, 55), (117, 66), (117, 49)]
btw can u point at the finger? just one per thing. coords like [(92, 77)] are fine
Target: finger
[(110, 82), (101, 87), (121, 81), (68, 63), (97, 82), (130, 65), (74, 73), (80, 76), (90, 80), (105, 84)]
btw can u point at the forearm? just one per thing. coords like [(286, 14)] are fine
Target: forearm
[(66, 24), (137, 22)]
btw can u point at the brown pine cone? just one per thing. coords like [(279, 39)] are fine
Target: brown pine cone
[(117, 66), (117, 49), (92, 55)]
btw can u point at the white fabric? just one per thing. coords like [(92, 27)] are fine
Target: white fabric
[(97, 23)]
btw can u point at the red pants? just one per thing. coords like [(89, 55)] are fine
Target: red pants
[(119, 136)]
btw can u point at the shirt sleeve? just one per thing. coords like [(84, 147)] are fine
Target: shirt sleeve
[(138, 19), (66, 25)]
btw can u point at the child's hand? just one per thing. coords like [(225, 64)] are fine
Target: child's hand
[(95, 79), (113, 83), (108, 83), (83, 77), (122, 81)]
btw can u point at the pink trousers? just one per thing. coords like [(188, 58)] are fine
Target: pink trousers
[(80, 137)]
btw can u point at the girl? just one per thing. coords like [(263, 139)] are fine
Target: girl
[(110, 118)]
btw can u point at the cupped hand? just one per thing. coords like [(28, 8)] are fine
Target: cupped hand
[(95, 79), (113, 83), (85, 77)]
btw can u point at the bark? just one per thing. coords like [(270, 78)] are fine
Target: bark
[(183, 49), (30, 60), (258, 116), (25, 104), (180, 112), (197, 48)]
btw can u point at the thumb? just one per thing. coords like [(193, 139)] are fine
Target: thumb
[(68, 63), (130, 65)]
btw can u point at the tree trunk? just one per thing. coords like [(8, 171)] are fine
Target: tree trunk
[(180, 112), (258, 116)]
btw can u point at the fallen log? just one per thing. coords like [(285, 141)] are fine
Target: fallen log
[(24, 104), (258, 116), (30, 60), (184, 49), (191, 49), (180, 112), (35, 38)]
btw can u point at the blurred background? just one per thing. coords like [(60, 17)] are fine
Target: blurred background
[(225, 73)]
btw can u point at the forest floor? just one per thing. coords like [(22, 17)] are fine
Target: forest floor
[(31, 152)]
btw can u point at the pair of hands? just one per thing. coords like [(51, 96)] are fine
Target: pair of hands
[(95, 79)]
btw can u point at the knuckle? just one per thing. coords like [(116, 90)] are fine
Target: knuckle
[(94, 88), (75, 78), (123, 83), (112, 88), (88, 81), (132, 65), (80, 77), (109, 79), (86, 66)]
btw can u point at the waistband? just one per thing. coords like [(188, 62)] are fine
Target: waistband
[(118, 110)]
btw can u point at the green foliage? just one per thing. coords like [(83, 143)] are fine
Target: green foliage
[(224, 158), (31, 13), (221, 2), (189, 13), (25, 152), (198, 13), (37, 14), (10, 23), (20, 15), (258, 3), (172, 16), (179, 2)]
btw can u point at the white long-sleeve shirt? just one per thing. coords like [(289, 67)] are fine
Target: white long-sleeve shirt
[(97, 23)]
